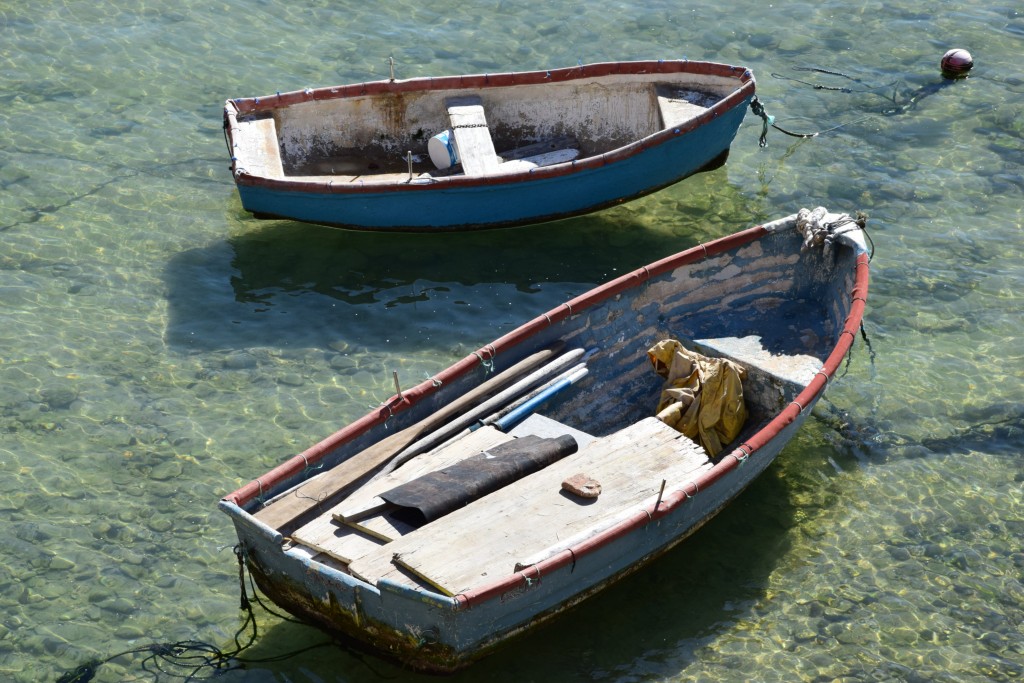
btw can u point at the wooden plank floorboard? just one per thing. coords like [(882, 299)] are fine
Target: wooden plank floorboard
[(259, 147), (486, 539), (349, 541)]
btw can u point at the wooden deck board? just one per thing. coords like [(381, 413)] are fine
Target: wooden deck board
[(749, 351), (341, 542), (674, 109), (539, 425), (257, 148), (476, 149), (489, 537), (349, 541)]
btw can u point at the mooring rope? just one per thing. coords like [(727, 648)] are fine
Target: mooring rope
[(758, 109), (897, 108), (194, 660), (829, 72)]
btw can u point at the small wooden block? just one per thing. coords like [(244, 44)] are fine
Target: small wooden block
[(583, 486)]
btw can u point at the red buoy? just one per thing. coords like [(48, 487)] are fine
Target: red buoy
[(956, 63)]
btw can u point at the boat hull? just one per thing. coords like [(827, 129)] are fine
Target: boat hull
[(503, 203), (339, 156), (804, 307), (441, 635)]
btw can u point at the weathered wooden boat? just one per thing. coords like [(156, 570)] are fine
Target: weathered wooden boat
[(510, 148), (389, 533)]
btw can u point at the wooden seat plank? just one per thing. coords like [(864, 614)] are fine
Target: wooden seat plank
[(476, 149), (259, 153), (749, 351), (491, 536)]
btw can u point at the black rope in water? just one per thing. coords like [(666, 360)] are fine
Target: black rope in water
[(829, 72), (758, 109), (849, 353), (186, 659), (897, 108), (867, 342), (194, 660)]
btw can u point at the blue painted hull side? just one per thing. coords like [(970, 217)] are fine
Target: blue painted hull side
[(440, 208)]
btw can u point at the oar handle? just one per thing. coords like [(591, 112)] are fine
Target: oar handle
[(514, 417)]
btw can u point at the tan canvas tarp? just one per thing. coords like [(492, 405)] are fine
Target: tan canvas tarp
[(702, 398)]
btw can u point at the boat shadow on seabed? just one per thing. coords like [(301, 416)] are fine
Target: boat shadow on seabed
[(288, 285)]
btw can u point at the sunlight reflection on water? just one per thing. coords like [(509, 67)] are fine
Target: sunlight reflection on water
[(159, 348)]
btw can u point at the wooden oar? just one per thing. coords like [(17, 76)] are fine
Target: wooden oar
[(472, 415), (329, 487), (475, 422), (512, 418)]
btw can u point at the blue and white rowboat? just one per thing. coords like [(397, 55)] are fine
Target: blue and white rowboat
[(327, 534), (486, 150)]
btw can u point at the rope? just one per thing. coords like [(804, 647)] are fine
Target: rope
[(818, 233), (916, 97), (487, 363), (828, 72), (867, 342), (897, 108), (227, 142), (758, 109), (194, 660)]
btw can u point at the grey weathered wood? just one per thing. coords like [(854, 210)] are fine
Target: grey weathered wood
[(540, 425), (476, 149), (364, 512), (324, 490), (488, 538), (796, 369), (674, 109), (343, 543), (258, 147)]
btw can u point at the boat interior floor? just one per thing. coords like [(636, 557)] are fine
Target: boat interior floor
[(521, 524), (353, 166), (533, 517)]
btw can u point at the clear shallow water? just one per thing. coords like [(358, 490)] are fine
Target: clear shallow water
[(158, 348)]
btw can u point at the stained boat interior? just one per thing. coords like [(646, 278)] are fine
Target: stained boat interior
[(780, 327), (389, 137)]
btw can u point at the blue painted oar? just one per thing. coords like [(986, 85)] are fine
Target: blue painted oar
[(513, 417), (439, 435), (508, 408)]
